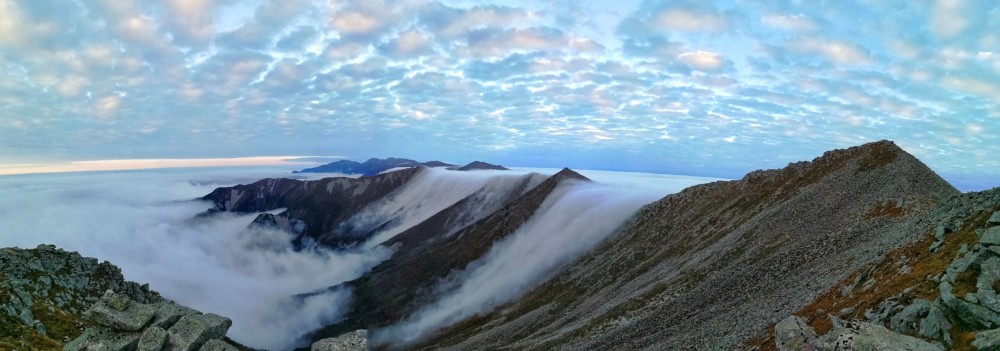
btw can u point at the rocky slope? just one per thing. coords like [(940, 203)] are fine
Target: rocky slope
[(941, 290), (714, 265), (313, 208), (371, 167), (422, 259), (44, 292)]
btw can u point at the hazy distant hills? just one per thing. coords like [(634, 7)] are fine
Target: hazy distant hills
[(371, 167)]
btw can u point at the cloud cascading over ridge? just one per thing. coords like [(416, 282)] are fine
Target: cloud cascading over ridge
[(705, 87)]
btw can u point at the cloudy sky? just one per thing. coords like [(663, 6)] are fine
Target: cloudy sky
[(712, 88)]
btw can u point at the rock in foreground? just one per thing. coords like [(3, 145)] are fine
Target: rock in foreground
[(125, 325), (353, 341)]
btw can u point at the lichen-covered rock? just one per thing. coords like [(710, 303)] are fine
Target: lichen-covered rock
[(353, 341), (871, 337), (102, 339), (169, 313), (46, 290), (192, 331), (152, 339), (988, 340), (791, 334), (115, 311), (217, 345)]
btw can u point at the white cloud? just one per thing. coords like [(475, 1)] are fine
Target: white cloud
[(796, 23), (690, 21), (837, 51), (948, 18), (702, 60)]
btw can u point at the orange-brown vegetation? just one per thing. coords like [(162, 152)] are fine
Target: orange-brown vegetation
[(890, 280)]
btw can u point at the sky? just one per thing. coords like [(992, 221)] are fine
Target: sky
[(713, 88)]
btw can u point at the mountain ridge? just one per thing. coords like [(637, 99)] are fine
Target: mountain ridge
[(371, 167), (754, 236)]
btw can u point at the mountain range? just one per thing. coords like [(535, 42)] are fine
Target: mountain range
[(371, 167), (859, 248)]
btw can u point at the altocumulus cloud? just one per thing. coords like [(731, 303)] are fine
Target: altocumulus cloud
[(672, 81)]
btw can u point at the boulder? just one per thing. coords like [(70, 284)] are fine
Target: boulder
[(152, 339), (906, 320), (217, 345), (168, 313), (101, 339), (194, 330), (116, 312), (866, 336), (791, 334), (988, 340), (353, 341), (991, 237), (994, 219)]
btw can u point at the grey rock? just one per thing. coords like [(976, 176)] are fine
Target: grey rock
[(940, 232), (987, 340), (217, 345), (153, 339), (132, 318), (936, 325), (94, 339), (358, 341), (867, 336), (994, 219), (168, 313), (991, 237), (989, 273), (192, 331), (973, 314), (906, 320)]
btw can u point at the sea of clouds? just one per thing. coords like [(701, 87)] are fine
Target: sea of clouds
[(144, 222)]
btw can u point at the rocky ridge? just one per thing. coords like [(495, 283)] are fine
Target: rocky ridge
[(420, 261), (314, 209), (45, 290), (711, 266), (941, 290), (371, 167)]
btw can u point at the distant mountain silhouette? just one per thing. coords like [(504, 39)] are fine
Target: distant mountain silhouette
[(479, 165), (371, 167)]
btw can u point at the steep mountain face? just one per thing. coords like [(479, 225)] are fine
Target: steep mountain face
[(371, 167), (474, 165), (429, 252), (314, 208), (707, 268)]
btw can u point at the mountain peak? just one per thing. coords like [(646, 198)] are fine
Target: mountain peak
[(479, 165), (567, 173)]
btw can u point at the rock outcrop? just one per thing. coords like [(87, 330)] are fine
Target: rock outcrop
[(793, 334), (44, 292), (944, 293), (125, 325), (353, 341)]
